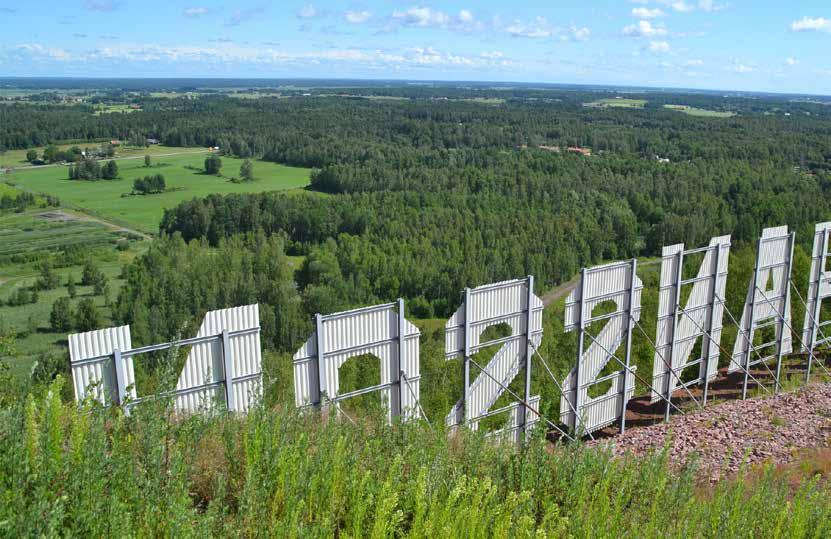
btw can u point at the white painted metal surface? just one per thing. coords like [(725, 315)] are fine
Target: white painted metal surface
[(93, 365), (766, 305), (489, 305), (678, 329), (613, 282), (819, 289), (200, 383), (367, 331)]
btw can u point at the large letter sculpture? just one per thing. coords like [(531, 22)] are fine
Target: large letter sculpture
[(765, 307), (617, 282), (207, 366), (98, 368), (515, 304), (381, 331), (224, 363), (819, 288), (679, 327)]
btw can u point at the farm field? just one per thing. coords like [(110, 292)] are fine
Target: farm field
[(618, 103), (25, 239), (183, 174), (693, 111), (17, 158)]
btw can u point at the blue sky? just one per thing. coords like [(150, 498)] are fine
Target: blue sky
[(761, 45)]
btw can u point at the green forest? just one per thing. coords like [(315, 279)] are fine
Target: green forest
[(417, 195)]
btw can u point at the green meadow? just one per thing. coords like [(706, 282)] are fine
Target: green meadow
[(17, 158), (184, 176), (693, 111), (618, 103)]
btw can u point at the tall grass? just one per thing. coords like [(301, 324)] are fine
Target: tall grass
[(68, 470)]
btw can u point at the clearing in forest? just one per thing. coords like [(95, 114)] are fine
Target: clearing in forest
[(184, 176)]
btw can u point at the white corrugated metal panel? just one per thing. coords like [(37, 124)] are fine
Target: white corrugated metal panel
[(709, 285), (97, 343), (773, 264), (366, 331), (819, 287), (204, 364), (608, 282), (504, 302)]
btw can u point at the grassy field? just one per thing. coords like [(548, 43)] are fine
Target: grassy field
[(693, 111), (17, 158), (104, 198), (107, 109), (618, 103), (34, 231), (30, 234)]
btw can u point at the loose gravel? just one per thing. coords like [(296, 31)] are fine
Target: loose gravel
[(724, 436)]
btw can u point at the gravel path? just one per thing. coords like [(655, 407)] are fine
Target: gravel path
[(753, 431)]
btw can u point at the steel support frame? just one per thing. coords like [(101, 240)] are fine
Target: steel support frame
[(675, 306), (817, 302), (708, 336), (630, 317), (581, 345)]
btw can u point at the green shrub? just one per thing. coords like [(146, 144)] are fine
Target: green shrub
[(90, 471)]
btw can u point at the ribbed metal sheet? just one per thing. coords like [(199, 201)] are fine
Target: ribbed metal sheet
[(608, 282), (497, 303), (101, 373), (773, 305), (204, 364), (704, 309), (819, 288), (366, 331)]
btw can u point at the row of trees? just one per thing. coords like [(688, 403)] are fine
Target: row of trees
[(149, 184), (90, 168)]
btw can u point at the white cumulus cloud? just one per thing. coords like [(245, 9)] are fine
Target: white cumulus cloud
[(195, 12), (659, 46), (357, 17), (646, 13), (644, 29), (538, 28), (808, 24)]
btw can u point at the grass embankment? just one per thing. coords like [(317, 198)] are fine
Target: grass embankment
[(184, 178), (94, 472)]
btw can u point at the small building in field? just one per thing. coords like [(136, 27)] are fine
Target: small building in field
[(115, 142), (152, 141)]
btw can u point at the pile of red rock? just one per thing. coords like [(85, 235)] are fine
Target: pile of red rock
[(726, 435)]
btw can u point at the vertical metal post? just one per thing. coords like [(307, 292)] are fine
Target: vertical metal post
[(466, 365), (396, 395), (783, 327), (630, 320), (679, 276), (320, 373), (580, 345), (711, 324), (817, 303), (749, 333), (120, 378), (228, 361), (528, 353)]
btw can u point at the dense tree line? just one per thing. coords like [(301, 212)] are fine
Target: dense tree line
[(169, 288)]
